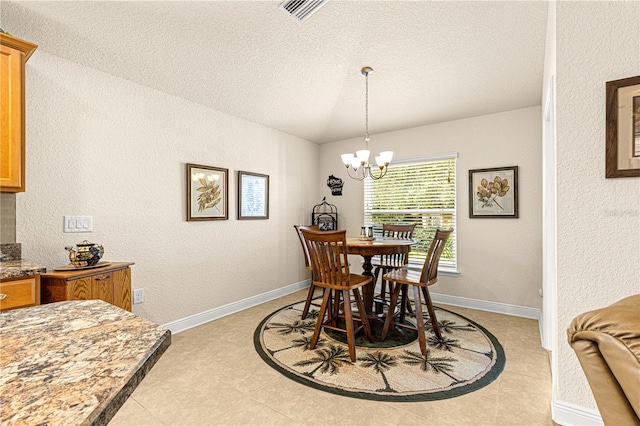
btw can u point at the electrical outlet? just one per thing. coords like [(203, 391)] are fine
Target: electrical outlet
[(138, 296)]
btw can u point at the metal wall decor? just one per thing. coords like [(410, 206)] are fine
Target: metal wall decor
[(335, 184), (325, 215)]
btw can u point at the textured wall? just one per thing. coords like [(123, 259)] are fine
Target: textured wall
[(103, 146), (598, 237), (499, 259)]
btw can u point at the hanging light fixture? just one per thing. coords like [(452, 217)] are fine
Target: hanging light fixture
[(358, 163)]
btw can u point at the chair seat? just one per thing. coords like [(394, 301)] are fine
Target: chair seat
[(404, 276), (359, 280), (355, 281)]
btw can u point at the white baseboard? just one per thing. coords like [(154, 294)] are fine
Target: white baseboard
[(485, 305), (568, 414), (231, 308)]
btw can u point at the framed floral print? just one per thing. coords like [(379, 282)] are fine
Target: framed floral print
[(207, 193), (623, 128), (493, 193), (253, 196)]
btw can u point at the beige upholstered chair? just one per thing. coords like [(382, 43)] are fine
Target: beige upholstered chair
[(607, 343)]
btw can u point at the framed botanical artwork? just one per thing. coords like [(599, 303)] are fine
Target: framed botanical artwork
[(493, 193), (623, 128), (253, 196), (207, 193)]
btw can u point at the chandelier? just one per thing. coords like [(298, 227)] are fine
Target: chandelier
[(358, 163)]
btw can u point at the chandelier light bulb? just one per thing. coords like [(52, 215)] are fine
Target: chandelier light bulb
[(363, 156), (347, 159), (386, 157)]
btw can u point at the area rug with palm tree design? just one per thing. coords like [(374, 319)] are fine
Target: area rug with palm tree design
[(467, 358)]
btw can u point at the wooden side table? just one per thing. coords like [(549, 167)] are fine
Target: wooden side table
[(111, 283)]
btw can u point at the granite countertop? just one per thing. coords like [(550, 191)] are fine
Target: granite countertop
[(73, 363), (19, 268), (12, 265)]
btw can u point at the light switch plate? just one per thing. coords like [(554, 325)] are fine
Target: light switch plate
[(78, 224)]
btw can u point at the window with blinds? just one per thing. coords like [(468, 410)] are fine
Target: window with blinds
[(421, 192)]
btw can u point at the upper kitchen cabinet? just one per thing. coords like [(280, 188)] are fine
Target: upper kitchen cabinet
[(14, 54)]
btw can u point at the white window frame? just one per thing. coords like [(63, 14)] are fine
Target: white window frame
[(445, 266)]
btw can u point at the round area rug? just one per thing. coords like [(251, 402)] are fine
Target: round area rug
[(466, 359)]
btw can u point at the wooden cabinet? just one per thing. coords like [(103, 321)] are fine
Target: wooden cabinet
[(19, 292), (14, 53), (110, 283)]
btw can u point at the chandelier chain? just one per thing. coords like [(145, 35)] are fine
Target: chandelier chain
[(366, 103)]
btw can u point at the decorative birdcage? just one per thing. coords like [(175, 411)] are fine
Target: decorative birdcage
[(325, 215)]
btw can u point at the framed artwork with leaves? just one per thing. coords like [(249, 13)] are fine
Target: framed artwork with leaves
[(493, 193), (207, 193)]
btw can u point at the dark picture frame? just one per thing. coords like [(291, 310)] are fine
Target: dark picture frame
[(326, 223), (493, 193), (623, 128), (207, 193), (253, 196)]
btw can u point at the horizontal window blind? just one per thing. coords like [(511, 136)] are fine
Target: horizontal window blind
[(422, 193)]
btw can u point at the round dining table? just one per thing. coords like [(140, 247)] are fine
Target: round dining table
[(369, 248)]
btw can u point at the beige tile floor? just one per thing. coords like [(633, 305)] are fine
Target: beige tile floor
[(212, 375)]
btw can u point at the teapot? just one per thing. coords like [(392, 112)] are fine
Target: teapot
[(87, 254)]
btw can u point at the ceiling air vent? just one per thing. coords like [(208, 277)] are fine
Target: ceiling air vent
[(300, 10)]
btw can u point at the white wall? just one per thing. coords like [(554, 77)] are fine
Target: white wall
[(499, 259), (103, 146), (598, 238), (549, 199)]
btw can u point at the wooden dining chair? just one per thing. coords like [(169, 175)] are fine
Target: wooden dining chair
[(328, 256), (307, 264), (405, 277), (389, 262)]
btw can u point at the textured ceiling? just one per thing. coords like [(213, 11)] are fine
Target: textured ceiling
[(433, 61)]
